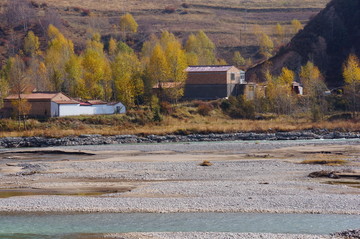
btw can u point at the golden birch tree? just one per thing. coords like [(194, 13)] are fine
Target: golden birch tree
[(96, 70), (296, 26), (31, 44), (238, 60), (351, 74), (177, 62), (128, 85), (314, 88), (57, 54), (266, 45), (128, 23)]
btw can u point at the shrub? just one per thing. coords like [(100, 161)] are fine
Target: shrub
[(225, 105), (185, 5), (85, 12), (35, 4), (204, 109), (238, 108), (157, 117), (77, 9), (206, 163), (169, 9), (166, 108), (141, 117)]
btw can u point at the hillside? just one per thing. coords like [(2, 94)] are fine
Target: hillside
[(230, 24), (327, 40)]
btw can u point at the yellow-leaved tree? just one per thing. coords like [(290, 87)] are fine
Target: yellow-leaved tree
[(280, 33), (59, 51), (74, 74), (279, 91), (127, 71), (31, 44), (4, 89), (128, 23), (177, 62), (351, 74), (296, 26), (97, 70), (266, 45), (238, 60), (201, 46), (314, 88), (112, 48)]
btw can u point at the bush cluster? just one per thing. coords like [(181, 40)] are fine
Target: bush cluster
[(169, 9), (204, 108), (238, 108)]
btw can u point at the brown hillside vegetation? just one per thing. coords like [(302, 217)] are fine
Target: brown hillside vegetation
[(229, 24), (327, 41)]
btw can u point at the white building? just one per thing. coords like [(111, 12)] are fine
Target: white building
[(64, 108), (49, 104)]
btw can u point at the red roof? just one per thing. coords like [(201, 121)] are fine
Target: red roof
[(209, 68)]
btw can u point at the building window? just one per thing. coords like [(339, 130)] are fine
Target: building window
[(242, 77), (232, 76)]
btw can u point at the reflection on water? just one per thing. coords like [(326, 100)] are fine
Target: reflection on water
[(75, 225)]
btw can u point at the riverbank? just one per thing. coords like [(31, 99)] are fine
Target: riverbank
[(245, 176), (19, 142)]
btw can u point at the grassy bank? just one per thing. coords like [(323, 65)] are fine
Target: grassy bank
[(181, 120)]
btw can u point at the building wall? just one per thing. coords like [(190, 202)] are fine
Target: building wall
[(39, 108), (54, 109), (77, 109), (235, 79), (206, 78), (205, 92)]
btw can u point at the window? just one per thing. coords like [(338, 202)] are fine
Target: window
[(232, 76)]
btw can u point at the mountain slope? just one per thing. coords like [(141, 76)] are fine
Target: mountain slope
[(327, 40), (230, 24)]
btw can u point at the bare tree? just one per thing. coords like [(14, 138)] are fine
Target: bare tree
[(18, 85), (51, 17), (19, 12)]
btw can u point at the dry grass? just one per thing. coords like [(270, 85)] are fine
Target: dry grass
[(185, 123)]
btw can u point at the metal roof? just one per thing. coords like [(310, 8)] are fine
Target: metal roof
[(209, 68)]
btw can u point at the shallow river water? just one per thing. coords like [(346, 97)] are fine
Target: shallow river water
[(64, 225)]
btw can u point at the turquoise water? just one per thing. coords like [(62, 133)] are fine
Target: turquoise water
[(68, 225)]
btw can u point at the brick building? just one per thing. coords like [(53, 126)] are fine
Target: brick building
[(213, 82)]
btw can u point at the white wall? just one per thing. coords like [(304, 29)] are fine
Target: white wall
[(77, 109)]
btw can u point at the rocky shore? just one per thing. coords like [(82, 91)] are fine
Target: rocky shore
[(18, 142)]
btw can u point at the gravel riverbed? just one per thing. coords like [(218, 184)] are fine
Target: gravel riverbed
[(252, 176)]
